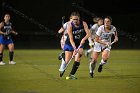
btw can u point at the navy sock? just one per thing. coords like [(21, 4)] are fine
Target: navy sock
[(1, 57), (75, 67), (11, 54)]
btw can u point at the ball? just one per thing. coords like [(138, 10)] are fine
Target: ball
[(67, 78)]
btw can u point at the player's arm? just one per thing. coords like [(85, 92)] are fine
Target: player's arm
[(91, 39), (87, 33), (71, 35), (97, 39), (92, 31), (14, 32), (61, 30), (116, 37), (1, 26)]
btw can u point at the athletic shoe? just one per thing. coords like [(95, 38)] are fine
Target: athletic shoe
[(12, 62), (100, 68), (61, 73), (72, 77), (86, 53), (2, 63), (91, 75)]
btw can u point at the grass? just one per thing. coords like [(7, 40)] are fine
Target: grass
[(36, 71)]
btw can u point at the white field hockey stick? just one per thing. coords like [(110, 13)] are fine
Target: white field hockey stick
[(112, 43), (61, 74), (108, 45), (63, 20)]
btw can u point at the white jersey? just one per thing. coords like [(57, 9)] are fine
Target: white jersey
[(105, 37), (64, 37), (93, 30), (65, 30)]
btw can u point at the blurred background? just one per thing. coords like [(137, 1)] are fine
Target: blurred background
[(38, 22)]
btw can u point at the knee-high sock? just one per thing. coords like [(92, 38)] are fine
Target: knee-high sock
[(92, 67), (63, 65), (75, 67), (1, 57), (103, 62), (11, 55)]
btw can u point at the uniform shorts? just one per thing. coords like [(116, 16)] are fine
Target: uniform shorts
[(100, 47), (70, 48), (5, 41)]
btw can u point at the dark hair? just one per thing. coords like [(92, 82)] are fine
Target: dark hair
[(109, 18), (75, 14), (6, 14)]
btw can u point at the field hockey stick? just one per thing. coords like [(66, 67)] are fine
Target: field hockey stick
[(62, 23), (108, 45), (112, 43), (63, 20)]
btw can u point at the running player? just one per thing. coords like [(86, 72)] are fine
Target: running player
[(93, 29), (103, 44), (78, 33), (6, 32)]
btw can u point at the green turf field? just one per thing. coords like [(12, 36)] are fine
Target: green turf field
[(36, 71)]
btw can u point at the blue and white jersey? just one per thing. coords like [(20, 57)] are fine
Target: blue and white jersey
[(7, 29), (6, 39), (105, 36), (78, 34)]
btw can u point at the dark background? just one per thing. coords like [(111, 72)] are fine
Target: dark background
[(37, 21)]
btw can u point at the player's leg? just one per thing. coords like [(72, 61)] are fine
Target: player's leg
[(105, 56), (11, 53), (61, 55), (62, 58), (95, 54), (1, 54), (68, 55), (76, 64), (88, 51), (64, 62), (91, 44), (93, 62), (62, 65), (62, 42)]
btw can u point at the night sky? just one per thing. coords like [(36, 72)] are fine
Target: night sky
[(32, 16), (124, 14)]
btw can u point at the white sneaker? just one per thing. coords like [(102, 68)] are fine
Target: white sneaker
[(12, 62), (2, 63)]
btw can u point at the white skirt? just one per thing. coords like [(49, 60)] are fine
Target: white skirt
[(100, 47)]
